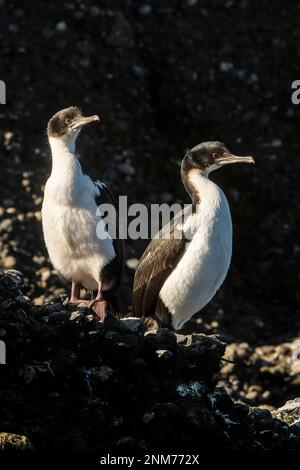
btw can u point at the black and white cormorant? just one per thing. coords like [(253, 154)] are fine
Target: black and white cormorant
[(70, 223), (179, 274)]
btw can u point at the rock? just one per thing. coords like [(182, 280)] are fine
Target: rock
[(95, 10), (75, 316), (61, 26), (191, 389), (264, 417), (132, 389), (226, 66), (181, 339), (148, 417), (145, 9), (102, 373), (45, 273), (10, 441), (121, 34), (132, 324), (6, 225), (9, 262), (130, 443), (162, 337), (132, 263), (138, 71), (289, 412), (126, 169), (276, 143), (164, 355), (10, 284)]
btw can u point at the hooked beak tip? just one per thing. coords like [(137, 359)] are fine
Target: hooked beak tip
[(248, 159), (83, 121)]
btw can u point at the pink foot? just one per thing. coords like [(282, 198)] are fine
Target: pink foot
[(99, 307)]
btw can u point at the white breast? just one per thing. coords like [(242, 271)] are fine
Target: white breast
[(204, 265)]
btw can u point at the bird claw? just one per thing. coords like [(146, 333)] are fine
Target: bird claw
[(99, 307)]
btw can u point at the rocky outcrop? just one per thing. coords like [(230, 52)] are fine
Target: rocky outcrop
[(72, 382), (9, 441)]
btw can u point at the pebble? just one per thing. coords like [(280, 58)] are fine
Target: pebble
[(45, 273), (103, 373), (9, 262), (145, 9), (225, 66), (85, 62), (132, 324), (6, 225), (132, 263), (61, 26), (251, 395), (138, 71), (9, 441), (95, 10), (38, 259), (11, 210), (252, 79), (164, 354), (126, 169), (276, 143), (8, 135), (75, 316), (25, 183), (180, 339), (148, 417)]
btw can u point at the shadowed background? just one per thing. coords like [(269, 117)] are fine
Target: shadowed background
[(164, 76)]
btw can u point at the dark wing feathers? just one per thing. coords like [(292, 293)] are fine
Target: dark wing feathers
[(106, 197), (159, 259)]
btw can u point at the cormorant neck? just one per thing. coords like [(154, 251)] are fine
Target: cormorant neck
[(64, 159), (193, 180)]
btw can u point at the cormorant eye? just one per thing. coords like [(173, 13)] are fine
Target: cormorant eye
[(68, 121), (215, 155)]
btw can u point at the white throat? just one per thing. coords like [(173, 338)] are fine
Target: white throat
[(64, 159), (208, 193), (66, 175)]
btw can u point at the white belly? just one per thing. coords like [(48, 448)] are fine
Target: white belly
[(203, 267), (73, 247)]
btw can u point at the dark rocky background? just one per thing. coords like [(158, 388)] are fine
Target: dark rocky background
[(166, 75)]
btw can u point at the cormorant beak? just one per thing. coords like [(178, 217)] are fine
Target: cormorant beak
[(228, 158), (83, 121)]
